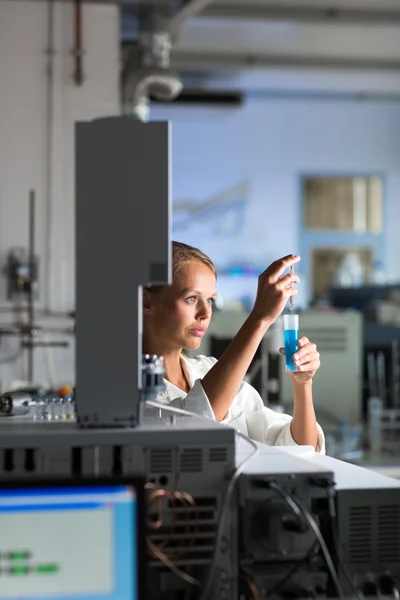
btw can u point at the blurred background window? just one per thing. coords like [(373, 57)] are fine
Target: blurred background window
[(343, 204)]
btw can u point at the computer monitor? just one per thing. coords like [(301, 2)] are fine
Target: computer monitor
[(71, 540)]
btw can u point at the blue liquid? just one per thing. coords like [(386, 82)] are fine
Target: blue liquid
[(291, 347)]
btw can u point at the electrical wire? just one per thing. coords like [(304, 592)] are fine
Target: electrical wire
[(184, 499), (252, 587), (154, 549), (288, 499), (293, 570), (223, 515), (155, 497), (324, 549), (190, 534), (156, 553), (225, 507), (318, 535)]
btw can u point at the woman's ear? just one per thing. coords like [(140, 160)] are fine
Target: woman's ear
[(146, 303)]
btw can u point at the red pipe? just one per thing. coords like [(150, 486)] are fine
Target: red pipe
[(78, 48)]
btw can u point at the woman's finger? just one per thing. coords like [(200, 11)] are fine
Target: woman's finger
[(304, 350), (309, 367), (287, 281), (276, 270), (312, 356)]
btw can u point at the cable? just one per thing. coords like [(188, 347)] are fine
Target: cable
[(311, 521), (225, 507), (252, 587), (154, 549), (156, 553), (257, 535), (293, 570), (322, 544), (288, 499), (184, 499)]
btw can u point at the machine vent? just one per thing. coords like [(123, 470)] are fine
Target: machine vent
[(329, 339), (191, 460), (187, 534), (160, 461), (388, 533), (158, 273), (218, 454), (360, 534)]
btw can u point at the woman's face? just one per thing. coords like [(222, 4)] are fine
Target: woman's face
[(180, 315)]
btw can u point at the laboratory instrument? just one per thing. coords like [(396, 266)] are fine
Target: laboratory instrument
[(291, 338), (291, 301), (16, 404), (201, 511)]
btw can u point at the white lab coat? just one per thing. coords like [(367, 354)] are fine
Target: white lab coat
[(247, 413)]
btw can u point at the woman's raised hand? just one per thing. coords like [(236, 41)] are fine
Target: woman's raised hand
[(273, 290)]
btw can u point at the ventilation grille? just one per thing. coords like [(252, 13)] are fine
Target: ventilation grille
[(388, 534), (360, 534), (158, 273), (330, 339), (191, 460), (187, 534), (160, 461), (218, 454)]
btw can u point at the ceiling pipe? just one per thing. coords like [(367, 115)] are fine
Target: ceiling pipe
[(50, 116), (78, 45), (189, 9), (254, 11), (147, 70)]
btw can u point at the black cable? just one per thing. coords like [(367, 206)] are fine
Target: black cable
[(324, 548), (207, 582), (311, 521), (257, 535), (293, 570), (289, 500)]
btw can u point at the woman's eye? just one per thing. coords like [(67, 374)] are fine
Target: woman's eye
[(211, 301), (191, 299)]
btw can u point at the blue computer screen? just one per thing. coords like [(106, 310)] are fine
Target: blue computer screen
[(65, 543)]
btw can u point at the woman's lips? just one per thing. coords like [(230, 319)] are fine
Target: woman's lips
[(197, 332)]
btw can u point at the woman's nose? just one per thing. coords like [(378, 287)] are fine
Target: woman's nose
[(204, 311)]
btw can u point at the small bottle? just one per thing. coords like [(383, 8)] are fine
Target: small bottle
[(153, 373)]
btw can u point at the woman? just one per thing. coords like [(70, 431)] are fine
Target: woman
[(176, 317)]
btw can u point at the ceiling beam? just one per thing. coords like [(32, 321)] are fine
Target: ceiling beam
[(251, 11), (221, 60)]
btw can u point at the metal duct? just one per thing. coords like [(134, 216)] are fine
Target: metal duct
[(147, 70)]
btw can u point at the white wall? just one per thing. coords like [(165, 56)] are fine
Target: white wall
[(24, 123), (272, 143)]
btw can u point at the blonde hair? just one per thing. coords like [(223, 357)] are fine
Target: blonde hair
[(181, 255)]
